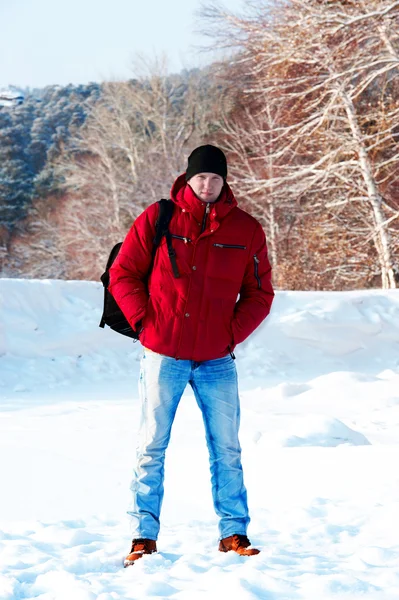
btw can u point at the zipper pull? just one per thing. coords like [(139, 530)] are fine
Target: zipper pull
[(206, 213), (256, 262)]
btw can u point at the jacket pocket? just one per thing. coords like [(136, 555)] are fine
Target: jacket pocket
[(186, 240), (234, 246), (256, 271), (226, 265)]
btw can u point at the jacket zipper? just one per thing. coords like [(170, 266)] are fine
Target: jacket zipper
[(180, 237), (256, 262), (230, 246), (206, 212)]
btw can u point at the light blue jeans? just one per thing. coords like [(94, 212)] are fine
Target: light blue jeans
[(162, 382)]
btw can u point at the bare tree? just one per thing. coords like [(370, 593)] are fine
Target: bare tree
[(36, 252), (133, 145), (329, 67)]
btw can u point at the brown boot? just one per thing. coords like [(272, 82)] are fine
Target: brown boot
[(140, 546), (239, 544)]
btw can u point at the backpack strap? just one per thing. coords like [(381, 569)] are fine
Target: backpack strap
[(162, 229), (172, 254), (162, 223)]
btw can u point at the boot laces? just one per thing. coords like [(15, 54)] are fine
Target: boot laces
[(140, 545), (241, 540)]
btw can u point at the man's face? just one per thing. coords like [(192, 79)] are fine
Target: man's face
[(207, 186)]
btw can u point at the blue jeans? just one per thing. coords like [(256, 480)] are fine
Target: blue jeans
[(162, 382)]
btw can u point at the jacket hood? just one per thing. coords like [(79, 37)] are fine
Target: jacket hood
[(182, 194)]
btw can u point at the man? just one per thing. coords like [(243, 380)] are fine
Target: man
[(190, 321)]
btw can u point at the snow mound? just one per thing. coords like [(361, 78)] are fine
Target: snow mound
[(318, 430), (314, 430), (49, 336)]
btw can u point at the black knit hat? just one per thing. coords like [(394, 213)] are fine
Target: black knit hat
[(206, 159)]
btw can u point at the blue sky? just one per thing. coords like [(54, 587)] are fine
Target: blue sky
[(45, 42)]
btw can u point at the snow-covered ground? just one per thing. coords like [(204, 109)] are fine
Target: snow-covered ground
[(320, 434)]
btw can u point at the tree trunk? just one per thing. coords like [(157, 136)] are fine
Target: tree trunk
[(380, 234)]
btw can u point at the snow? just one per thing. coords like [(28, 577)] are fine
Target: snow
[(10, 97), (319, 385)]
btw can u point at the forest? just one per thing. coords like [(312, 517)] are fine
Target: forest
[(306, 108)]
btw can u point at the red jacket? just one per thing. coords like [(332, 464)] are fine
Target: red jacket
[(220, 255)]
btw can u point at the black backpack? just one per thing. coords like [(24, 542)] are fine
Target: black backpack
[(112, 314)]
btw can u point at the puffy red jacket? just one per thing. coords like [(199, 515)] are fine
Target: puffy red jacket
[(221, 254)]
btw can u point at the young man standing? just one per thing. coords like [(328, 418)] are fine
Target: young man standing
[(190, 320)]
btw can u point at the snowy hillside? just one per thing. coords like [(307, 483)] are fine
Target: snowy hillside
[(11, 97), (320, 434)]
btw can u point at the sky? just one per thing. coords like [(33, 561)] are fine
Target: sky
[(43, 42)]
